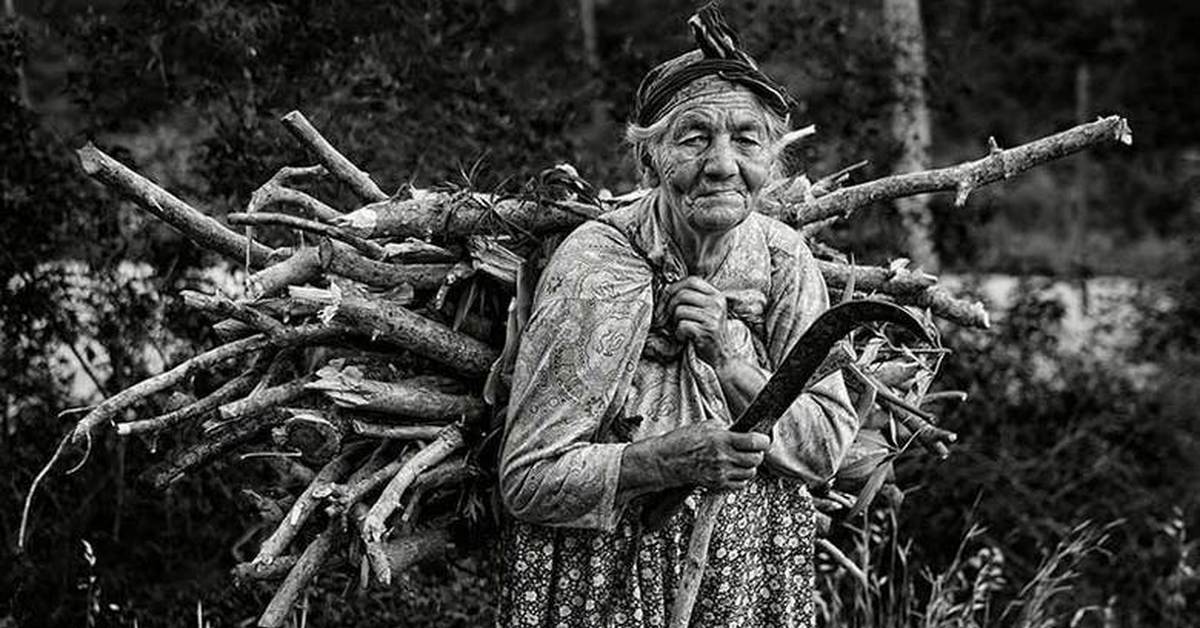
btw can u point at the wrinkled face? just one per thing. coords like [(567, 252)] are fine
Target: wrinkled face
[(715, 158)]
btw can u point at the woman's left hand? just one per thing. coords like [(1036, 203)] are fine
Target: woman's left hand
[(699, 313)]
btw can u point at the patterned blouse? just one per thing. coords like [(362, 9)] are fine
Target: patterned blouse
[(598, 369)]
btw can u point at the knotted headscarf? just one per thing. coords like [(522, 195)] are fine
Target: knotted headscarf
[(719, 56)]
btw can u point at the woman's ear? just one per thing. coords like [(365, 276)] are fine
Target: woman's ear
[(650, 176)]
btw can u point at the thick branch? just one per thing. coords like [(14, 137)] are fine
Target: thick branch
[(337, 164), (307, 264), (963, 178), (453, 216), (204, 230), (908, 287), (408, 398), (410, 549), (395, 325)]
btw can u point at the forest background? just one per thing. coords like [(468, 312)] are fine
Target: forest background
[(1083, 394)]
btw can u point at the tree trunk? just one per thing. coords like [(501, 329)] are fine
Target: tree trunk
[(910, 122)]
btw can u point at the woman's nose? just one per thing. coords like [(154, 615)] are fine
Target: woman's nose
[(721, 163)]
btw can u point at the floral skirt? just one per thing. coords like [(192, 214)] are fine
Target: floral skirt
[(759, 574)]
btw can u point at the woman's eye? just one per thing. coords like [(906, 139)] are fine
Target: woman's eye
[(693, 140), (746, 140)]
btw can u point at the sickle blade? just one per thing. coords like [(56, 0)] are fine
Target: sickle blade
[(793, 373)]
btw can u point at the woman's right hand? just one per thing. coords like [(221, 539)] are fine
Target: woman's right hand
[(705, 454)]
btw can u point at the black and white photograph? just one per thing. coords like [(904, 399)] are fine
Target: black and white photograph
[(600, 313)]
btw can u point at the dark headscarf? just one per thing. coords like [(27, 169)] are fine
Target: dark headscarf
[(720, 55)]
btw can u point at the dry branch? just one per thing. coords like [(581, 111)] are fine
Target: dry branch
[(394, 432), (371, 249), (251, 570), (223, 307), (107, 410), (202, 229), (276, 192), (344, 496), (307, 264), (196, 455), (335, 162), (410, 549), (454, 216), (374, 525), (964, 178), (302, 267), (268, 399), (400, 327), (348, 388), (228, 391), (908, 287), (274, 546), (450, 473), (302, 573)]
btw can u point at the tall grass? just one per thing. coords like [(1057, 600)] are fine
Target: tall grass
[(977, 588)]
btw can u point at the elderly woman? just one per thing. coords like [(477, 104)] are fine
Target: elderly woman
[(652, 329)]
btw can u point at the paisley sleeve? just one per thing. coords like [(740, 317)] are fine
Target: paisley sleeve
[(577, 357), (810, 441)]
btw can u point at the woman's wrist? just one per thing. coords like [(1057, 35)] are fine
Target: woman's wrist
[(643, 469)]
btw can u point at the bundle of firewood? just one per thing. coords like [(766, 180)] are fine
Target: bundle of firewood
[(373, 359)]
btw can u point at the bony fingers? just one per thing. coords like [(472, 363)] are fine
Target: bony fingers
[(750, 441)]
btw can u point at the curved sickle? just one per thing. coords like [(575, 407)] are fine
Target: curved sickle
[(793, 373)]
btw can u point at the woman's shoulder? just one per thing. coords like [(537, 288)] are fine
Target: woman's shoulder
[(784, 243), (595, 261)]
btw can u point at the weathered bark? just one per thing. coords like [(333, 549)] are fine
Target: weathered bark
[(302, 573), (276, 570), (696, 559), (907, 287), (302, 267), (374, 525), (200, 228), (308, 501), (910, 122), (344, 496), (449, 473), (417, 547), (308, 264), (395, 325), (335, 162), (213, 446), (407, 398), (395, 432), (269, 399), (444, 216)]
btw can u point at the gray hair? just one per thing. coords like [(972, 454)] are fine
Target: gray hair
[(646, 142)]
